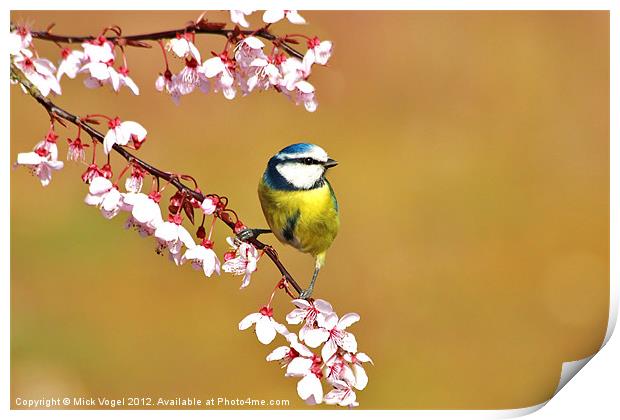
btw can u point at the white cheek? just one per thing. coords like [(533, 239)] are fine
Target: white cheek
[(300, 175)]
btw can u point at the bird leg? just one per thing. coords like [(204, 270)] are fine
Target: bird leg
[(308, 292), (248, 234)]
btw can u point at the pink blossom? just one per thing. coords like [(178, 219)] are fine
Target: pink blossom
[(263, 74), (342, 394), (307, 312), (266, 326), (72, 62), (106, 170), (356, 360), (39, 71), (75, 151), (183, 47), (251, 65), (203, 257), (170, 84), (293, 70), (273, 16), (238, 17), (220, 67), (322, 50), (208, 205), (305, 94), (42, 161), (121, 132), (336, 368), (244, 262), (91, 173), (249, 49), (143, 230), (190, 77), (173, 236), (145, 212), (331, 331), (99, 50), (103, 194), (134, 182), (309, 387), (104, 73), (285, 354), (125, 80), (144, 208), (19, 39)]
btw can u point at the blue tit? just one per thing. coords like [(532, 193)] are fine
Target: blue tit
[(298, 202)]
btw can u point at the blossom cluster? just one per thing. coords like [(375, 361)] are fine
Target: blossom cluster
[(338, 364), (97, 59), (143, 210), (247, 67), (144, 216), (241, 67)]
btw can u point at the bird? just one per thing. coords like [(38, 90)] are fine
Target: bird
[(299, 203)]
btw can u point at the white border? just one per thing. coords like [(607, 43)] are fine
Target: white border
[(596, 379)]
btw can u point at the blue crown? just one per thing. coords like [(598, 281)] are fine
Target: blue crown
[(297, 148)]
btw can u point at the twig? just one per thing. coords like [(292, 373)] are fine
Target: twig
[(170, 177), (198, 28)]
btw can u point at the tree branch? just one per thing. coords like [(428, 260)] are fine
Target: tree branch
[(170, 177), (200, 27)]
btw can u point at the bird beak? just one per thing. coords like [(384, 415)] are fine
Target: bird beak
[(330, 163)]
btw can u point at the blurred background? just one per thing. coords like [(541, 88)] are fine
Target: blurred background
[(474, 196)]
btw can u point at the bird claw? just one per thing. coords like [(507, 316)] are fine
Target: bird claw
[(246, 235), (305, 294)]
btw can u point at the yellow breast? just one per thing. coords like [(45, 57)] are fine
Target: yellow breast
[(306, 219)]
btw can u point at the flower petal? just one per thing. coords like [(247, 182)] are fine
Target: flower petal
[(265, 330), (323, 306), (99, 185), (315, 337), (349, 343), (301, 303), (301, 349), (363, 357), (134, 128), (278, 354), (29, 158), (294, 17), (109, 140), (347, 320), (185, 237), (247, 322), (327, 321), (299, 366), (272, 16), (254, 42), (213, 66), (310, 390), (296, 316), (361, 379), (328, 350)]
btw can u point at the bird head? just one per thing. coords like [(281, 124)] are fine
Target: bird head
[(302, 165)]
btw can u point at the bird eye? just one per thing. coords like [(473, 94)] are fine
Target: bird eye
[(308, 161)]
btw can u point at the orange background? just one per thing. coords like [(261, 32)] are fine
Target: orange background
[(474, 193)]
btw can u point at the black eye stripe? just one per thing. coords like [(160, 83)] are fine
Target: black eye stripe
[(307, 161)]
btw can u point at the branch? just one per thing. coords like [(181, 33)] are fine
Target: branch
[(172, 178), (200, 27)]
